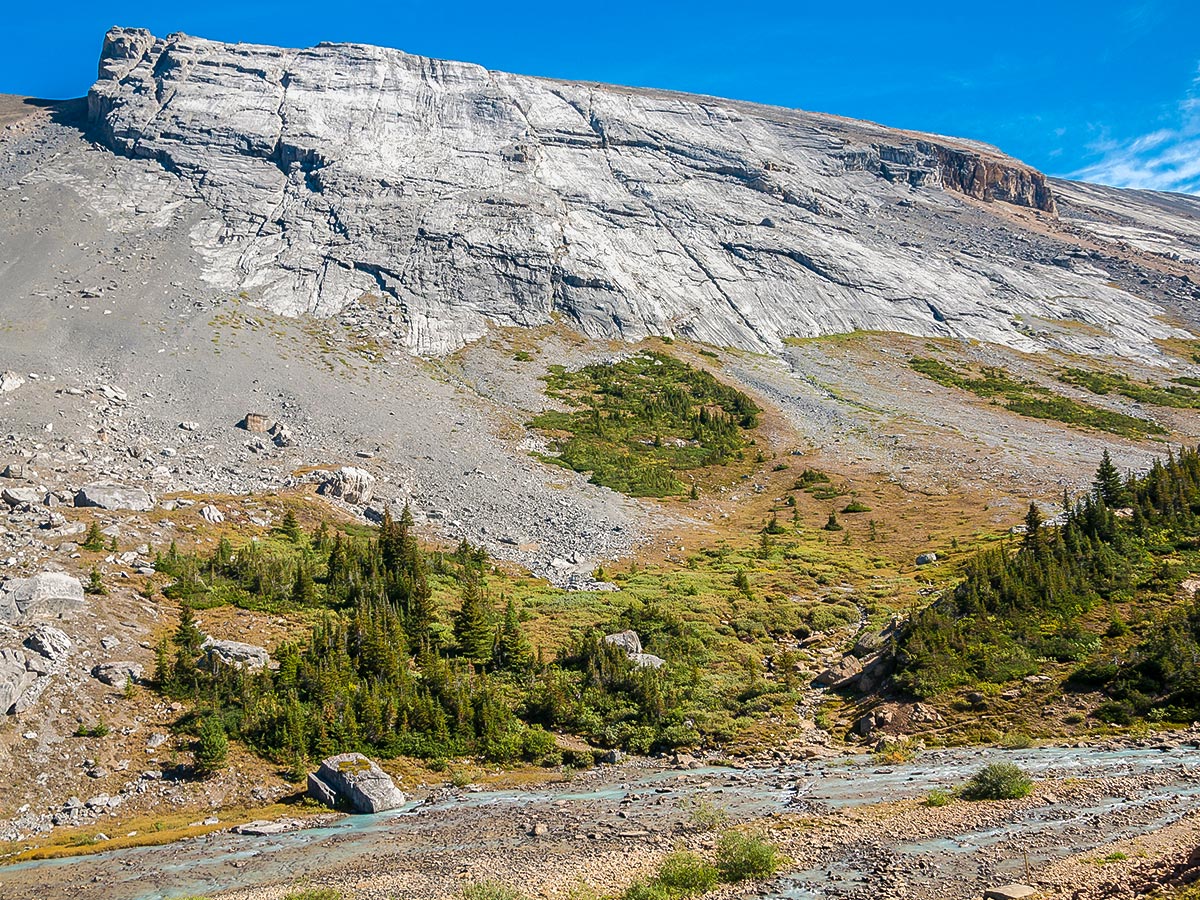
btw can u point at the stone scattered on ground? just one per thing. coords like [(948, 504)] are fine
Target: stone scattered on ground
[(1012, 891)]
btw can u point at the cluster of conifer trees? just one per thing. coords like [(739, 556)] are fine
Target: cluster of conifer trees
[(382, 673), (1130, 539)]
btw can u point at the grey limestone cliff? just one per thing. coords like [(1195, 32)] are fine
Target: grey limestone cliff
[(467, 198)]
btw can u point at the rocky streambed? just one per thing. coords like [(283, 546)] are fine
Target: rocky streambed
[(852, 827)]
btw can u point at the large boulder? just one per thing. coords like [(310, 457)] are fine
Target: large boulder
[(350, 484), (351, 780), (118, 674), (114, 496), (234, 655), (22, 496), (45, 594), (632, 645), (842, 674), (898, 719), (626, 640), (875, 669)]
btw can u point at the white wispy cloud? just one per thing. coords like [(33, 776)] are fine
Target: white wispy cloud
[(1164, 160)]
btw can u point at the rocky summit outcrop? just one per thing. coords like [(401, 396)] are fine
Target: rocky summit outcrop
[(351, 780), (464, 198)]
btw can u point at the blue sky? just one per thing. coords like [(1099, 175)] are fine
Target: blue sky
[(1102, 90)]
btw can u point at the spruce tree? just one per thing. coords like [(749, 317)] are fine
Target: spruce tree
[(94, 540), (389, 541), (1034, 541), (95, 584), (420, 609), (1107, 484), (513, 651), (290, 528), (188, 637), (212, 748), (473, 624), (304, 591)]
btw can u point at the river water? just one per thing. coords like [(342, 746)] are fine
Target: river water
[(223, 861)]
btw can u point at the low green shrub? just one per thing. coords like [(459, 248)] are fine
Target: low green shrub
[(998, 781), (936, 798), (640, 890), (744, 856), (707, 816), (490, 890), (685, 874)]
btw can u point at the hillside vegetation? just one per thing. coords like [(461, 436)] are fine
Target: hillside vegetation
[(638, 423), (437, 655), (1096, 591), (1031, 399)]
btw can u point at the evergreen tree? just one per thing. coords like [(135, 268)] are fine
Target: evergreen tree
[(304, 591), (473, 624), (1033, 539), (188, 637), (320, 536), (741, 581), (1107, 485), (184, 680), (212, 747), (290, 528), (513, 651), (420, 610), (95, 584), (94, 540)]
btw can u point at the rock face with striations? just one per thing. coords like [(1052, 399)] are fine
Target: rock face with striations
[(351, 779), (47, 594), (465, 198)]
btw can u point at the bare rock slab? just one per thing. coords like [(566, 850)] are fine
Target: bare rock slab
[(15, 679), (118, 674)]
